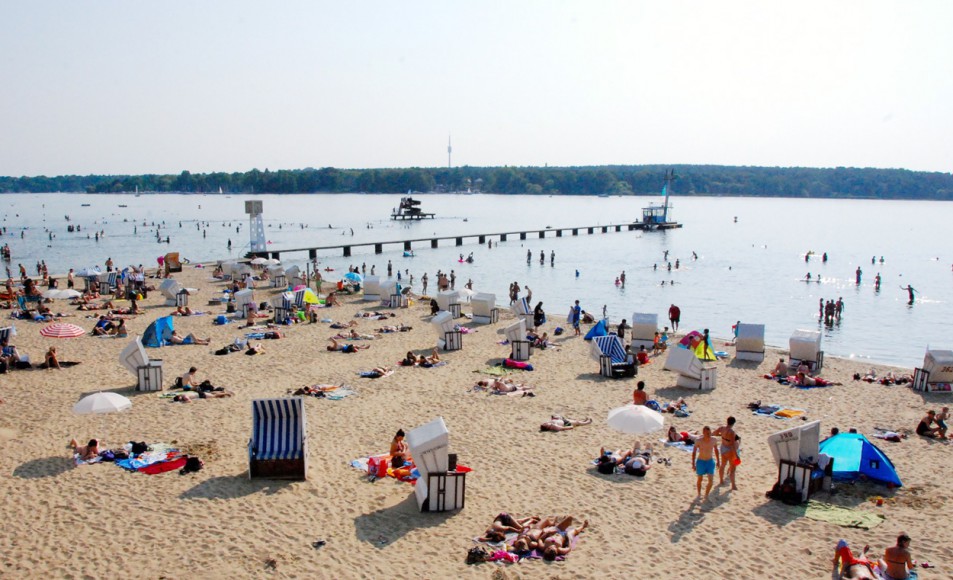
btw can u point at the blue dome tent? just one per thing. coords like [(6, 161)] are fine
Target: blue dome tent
[(158, 333), (855, 457)]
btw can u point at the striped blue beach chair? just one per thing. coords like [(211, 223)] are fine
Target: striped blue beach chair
[(283, 311), (278, 448), (610, 352), (7, 333), (299, 298), (111, 280)]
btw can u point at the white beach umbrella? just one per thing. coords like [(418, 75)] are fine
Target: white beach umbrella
[(273, 261), (87, 272), (64, 294), (101, 403), (260, 261), (635, 419)]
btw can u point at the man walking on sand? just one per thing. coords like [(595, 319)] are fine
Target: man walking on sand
[(729, 452), (674, 315), (704, 458)]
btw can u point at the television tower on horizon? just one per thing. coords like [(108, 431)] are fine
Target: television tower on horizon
[(449, 153)]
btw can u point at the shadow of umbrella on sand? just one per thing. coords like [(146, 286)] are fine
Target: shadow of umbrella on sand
[(102, 404), (635, 419)]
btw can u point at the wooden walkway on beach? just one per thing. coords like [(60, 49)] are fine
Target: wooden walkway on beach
[(408, 245)]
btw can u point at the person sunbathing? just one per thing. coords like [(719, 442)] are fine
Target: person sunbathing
[(177, 338), (639, 460), (376, 372), (189, 395), (389, 328), (558, 541), (183, 311), (804, 380), (850, 566), (85, 452), (253, 350), (336, 346), (51, 361), (505, 387), (675, 436), (531, 536), (607, 461), (671, 407), (503, 524), (560, 423), (780, 369), (339, 325)]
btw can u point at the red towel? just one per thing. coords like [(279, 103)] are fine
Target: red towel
[(164, 466)]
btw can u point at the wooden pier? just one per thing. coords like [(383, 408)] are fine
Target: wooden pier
[(434, 242)]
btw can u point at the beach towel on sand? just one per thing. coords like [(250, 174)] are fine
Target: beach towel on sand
[(834, 514)]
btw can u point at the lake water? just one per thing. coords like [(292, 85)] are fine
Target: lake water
[(750, 270)]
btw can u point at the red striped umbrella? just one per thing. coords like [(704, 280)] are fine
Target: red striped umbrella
[(62, 330)]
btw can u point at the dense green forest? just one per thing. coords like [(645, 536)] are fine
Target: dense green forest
[(616, 179)]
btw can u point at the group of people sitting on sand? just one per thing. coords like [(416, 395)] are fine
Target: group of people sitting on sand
[(897, 562), (552, 536), (802, 376), (505, 386), (635, 461), (412, 360), (925, 427)]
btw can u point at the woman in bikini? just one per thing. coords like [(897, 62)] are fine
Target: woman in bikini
[(728, 451), (559, 541)]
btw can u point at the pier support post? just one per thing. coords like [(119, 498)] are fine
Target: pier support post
[(590, 230), (605, 229), (542, 234), (459, 241), (502, 237), (433, 243), (559, 233), (575, 231), (276, 255), (347, 251), (312, 254), (522, 235), (378, 248), (407, 246), (481, 239), (618, 228)]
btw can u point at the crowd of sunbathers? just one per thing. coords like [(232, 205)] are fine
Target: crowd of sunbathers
[(413, 360), (802, 376), (550, 537), (888, 379)]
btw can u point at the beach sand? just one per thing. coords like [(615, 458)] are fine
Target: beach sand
[(98, 521)]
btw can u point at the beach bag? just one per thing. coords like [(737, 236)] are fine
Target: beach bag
[(192, 464), (178, 382), (477, 554), (139, 447), (220, 319), (558, 331)]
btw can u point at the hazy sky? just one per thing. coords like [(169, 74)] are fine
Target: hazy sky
[(160, 87)]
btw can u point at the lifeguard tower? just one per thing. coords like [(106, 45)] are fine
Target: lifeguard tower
[(256, 231)]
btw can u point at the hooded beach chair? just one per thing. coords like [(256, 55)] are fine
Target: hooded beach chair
[(148, 372), (6, 333), (278, 448), (449, 301), (448, 338), (170, 289), (282, 305), (243, 298), (749, 342), (644, 327), (805, 346), (372, 288), (390, 294), (936, 373), (692, 374), (484, 308), (172, 263), (293, 276), (439, 487), (522, 309), (277, 274), (610, 352), (520, 348)]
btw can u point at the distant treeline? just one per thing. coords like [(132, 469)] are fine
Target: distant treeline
[(613, 180)]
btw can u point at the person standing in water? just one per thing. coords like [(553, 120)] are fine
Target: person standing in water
[(858, 274), (910, 293)]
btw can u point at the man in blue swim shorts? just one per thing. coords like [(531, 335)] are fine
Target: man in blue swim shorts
[(704, 458)]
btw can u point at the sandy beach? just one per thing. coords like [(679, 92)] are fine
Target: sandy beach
[(98, 521)]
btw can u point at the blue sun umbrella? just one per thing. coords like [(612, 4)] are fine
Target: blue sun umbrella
[(353, 277)]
